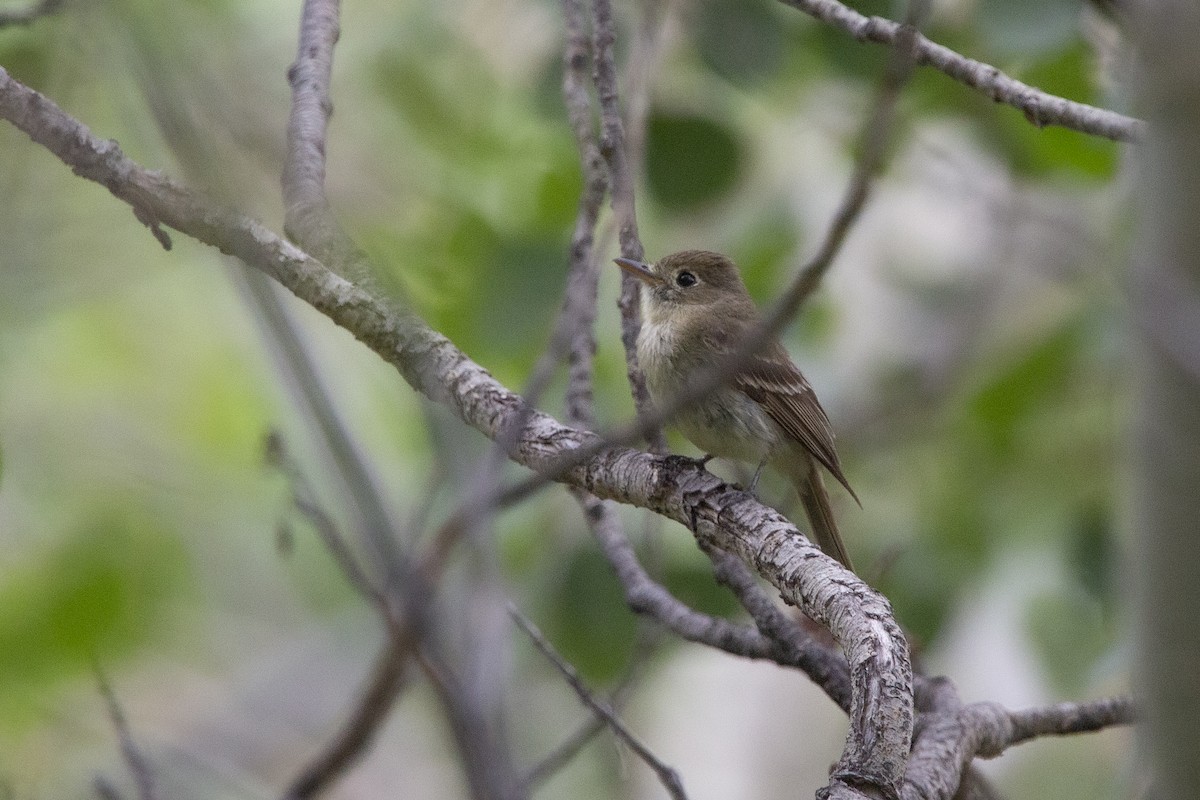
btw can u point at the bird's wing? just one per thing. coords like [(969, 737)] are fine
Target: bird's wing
[(772, 380)]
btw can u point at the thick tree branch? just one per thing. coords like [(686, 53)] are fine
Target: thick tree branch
[(1040, 108), (950, 735), (860, 619), (791, 644)]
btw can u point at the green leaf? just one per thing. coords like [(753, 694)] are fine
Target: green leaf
[(100, 594), (1039, 152), (1012, 393), (742, 42), (692, 581), (690, 160), (1095, 553), (1070, 632), (591, 625), (1022, 27)]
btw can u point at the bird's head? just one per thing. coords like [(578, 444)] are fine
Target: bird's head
[(692, 279)]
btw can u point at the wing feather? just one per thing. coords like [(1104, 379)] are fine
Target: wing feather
[(774, 382)]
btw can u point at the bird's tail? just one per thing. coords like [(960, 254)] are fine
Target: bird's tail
[(820, 515)]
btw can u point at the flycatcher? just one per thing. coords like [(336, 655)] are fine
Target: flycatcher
[(695, 312)]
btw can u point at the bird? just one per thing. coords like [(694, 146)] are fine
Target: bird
[(696, 312)]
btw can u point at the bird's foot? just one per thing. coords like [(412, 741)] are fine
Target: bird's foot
[(754, 481), (694, 462)]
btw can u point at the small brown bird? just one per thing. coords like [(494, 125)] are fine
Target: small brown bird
[(695, 312)]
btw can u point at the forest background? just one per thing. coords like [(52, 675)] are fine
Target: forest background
[(158, 475)]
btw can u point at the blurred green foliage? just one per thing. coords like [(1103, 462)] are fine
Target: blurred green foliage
[(104, 589), (979, 404), (690, 161)]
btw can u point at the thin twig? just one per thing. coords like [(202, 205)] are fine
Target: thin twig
[(1040, 108), (308, 218), (573, 744), (1064, 719), (613, 147), (646, 596), (375, 701), (577, 52), (489, 771), (310, 221), (639, 72), (305, 501), (138, 766), (666, 775), (876, 133), (389, 677)]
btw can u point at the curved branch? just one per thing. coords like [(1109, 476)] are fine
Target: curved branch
[(860, 619), (950, 735), (1040, 108)]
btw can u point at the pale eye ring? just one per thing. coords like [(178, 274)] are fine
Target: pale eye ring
[(685, 279)]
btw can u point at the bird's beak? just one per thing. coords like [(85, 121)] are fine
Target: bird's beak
[(638, 270)]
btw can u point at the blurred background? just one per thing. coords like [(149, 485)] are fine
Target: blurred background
[(969, 346)]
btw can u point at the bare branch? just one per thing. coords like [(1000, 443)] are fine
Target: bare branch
[(1064, 719), (646, 596), (389, 677), (305, 501), (130, 752), (1040, 108), (950, 735), (860, 619), (485, 761), (613, 146), (584, 273), (568, 749), (307, 216), (309, 220), (666, 775)]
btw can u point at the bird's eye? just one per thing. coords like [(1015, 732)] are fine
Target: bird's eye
[(685, 279)]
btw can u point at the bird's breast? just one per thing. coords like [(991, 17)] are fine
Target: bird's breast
[(724, 422)]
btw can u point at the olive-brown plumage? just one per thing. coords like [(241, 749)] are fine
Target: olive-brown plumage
[(695, 312)]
